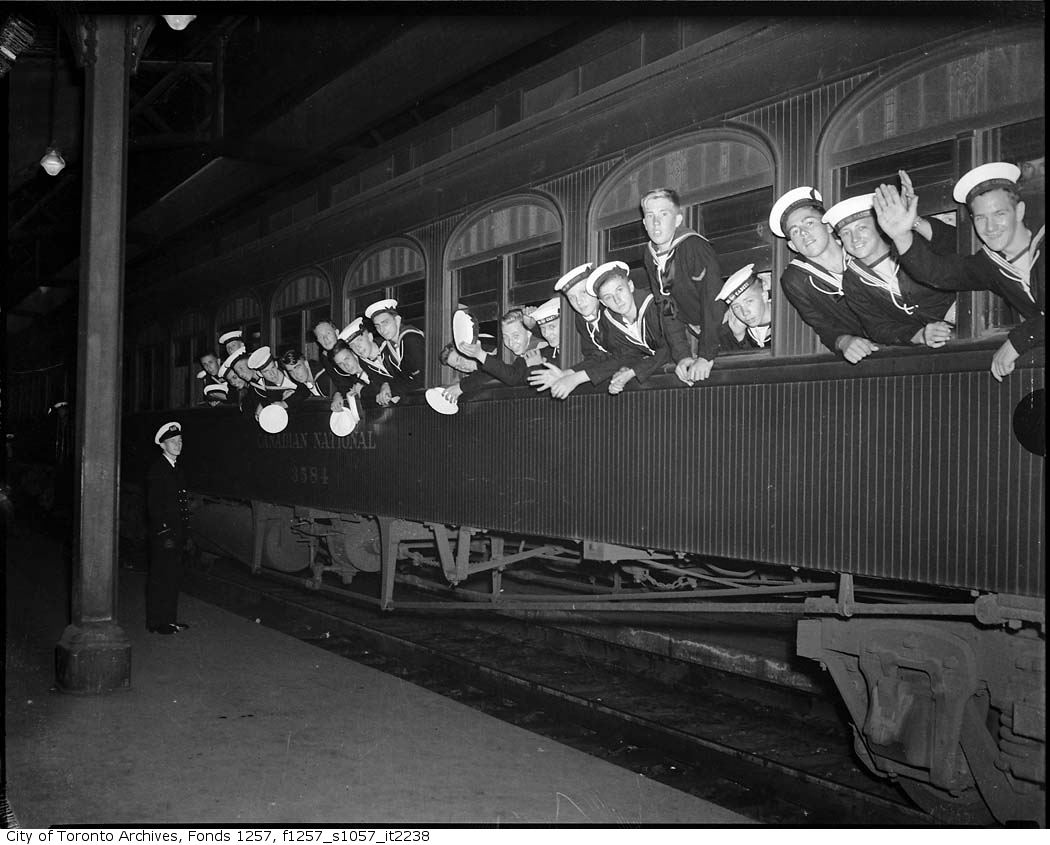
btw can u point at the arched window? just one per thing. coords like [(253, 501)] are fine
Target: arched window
[(506, 256), (243, 313), (725, 182), (189, 340), (936, 119), (297, 307), (391, 271), (151, 368)]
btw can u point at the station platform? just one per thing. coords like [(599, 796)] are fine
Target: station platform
[(232, 723)]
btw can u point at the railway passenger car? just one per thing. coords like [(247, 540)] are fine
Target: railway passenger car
[(891, 504)]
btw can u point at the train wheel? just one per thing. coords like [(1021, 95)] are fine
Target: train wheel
[(356, 546), (967, 808)]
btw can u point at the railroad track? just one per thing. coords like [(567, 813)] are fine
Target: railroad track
[(777, 757)]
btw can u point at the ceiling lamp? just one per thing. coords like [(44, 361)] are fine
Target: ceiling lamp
[(178, 22), (52, 162)]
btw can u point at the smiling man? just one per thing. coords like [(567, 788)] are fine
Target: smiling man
[(1010, 263), (812, 280), (892, 307)]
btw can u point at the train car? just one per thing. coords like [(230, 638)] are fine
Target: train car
[(895, 506)]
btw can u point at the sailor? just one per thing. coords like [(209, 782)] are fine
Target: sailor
[(891, 306), (1009, 263), (812, 280), (327, 335), (529, 351), (276, 386), (684, 275), (242, 391), (362, 343), (349, 378), (547, 317), (473, 379), (403, 346), (216, 394), (232, 341), (209, 374), (311, 376), (167, 511), (748, 320), (598, 364), (633, 326)]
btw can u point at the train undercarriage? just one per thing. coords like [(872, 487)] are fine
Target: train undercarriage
[(945, 689)]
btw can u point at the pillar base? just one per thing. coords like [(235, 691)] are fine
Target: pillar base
[(93, 658)]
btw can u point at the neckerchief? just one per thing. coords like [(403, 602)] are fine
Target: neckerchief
[(662, 259), (887, 282), (635, 332), (813, 269), (1020, 274)]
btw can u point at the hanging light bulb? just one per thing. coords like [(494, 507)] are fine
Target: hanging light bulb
[(178, 22), (52, 162)]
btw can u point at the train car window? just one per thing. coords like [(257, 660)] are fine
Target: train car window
[(297, 308), (725, 182), (503, 257), (394, 270), (480, 291), (735, 226), (534, 273)]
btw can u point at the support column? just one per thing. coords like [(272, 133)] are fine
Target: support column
[(94, 654)]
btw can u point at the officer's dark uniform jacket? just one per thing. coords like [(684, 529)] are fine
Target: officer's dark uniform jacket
[(536, 355), (167, 505), (643, 347), (405, 359), (891, 315), (687, 275), (598, 362), (986, 269), (817, 295)]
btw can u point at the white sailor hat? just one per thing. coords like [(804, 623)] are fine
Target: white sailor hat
[(217, 387), (226, 337), (987, 177), (849, 210), (575, 275), (795, 198), (201, 373), (169, 429), (260, 358), (356, 326), (736, 284), (227, 364), (549, 310), (381, 306), (603, 272)]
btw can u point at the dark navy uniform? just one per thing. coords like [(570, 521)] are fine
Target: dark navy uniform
[(167, 511), (644, 346), (538, 353), (320, 386), (688, 276), (817, 295), (756, 337), (891, 305), (598, 362), (405, 359), (1023, 287)]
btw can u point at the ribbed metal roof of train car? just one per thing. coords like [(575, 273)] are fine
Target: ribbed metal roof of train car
[(229, 111)]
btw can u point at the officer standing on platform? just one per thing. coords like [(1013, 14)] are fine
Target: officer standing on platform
[(168, 518)]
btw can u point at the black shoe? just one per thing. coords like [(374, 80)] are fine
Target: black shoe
[(164, 629), (182, 626)]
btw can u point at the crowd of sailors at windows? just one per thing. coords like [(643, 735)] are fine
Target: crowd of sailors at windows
[(866, 273)]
